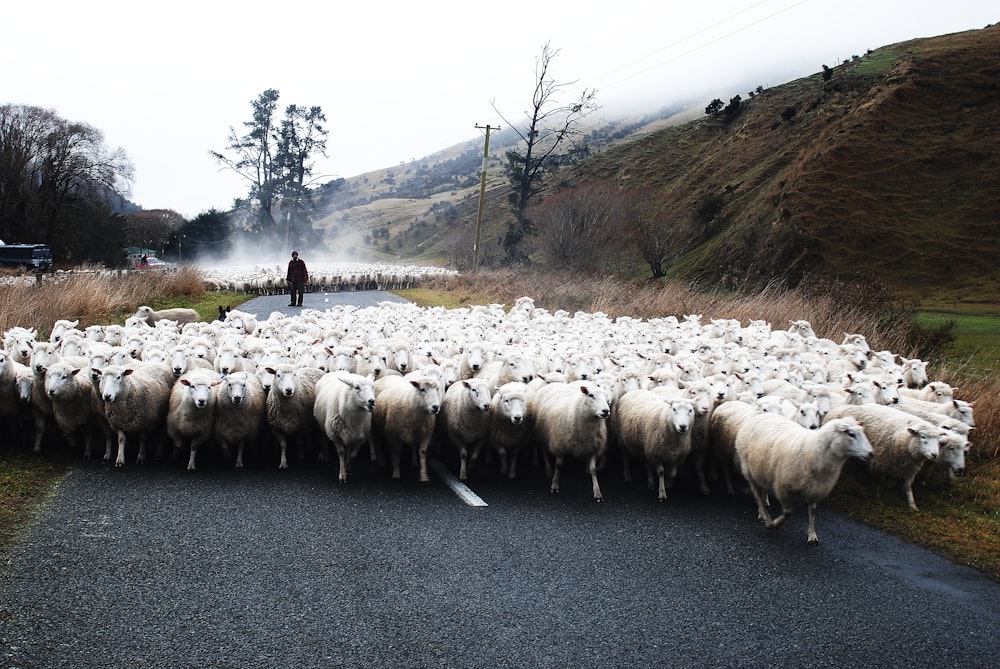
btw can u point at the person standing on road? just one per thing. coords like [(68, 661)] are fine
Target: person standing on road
[(296, 279)]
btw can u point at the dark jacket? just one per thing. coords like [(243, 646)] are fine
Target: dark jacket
[(297, 272)]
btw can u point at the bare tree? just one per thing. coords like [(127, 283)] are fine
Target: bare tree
[(151, 227), (652, 232), (549, 135), (580, 227)]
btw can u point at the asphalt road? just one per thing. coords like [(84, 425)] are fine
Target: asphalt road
[(155, 567)]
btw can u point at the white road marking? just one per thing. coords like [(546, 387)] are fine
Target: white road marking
[(463, 491)]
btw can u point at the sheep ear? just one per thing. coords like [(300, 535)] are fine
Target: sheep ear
[(416, 384), (76, 370), (345, 381), (466, 383), (185, 382), (127, 371), (584, 390)]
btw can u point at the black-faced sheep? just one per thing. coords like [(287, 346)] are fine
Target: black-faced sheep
[(780, 456), (343, 410)]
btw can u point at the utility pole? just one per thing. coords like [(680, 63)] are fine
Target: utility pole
[(482, 196)]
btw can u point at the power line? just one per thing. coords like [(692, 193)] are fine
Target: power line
[(701, 46)]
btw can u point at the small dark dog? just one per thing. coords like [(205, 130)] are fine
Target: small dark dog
[(223, 312)]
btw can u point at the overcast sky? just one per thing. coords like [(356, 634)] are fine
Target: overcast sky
[(401, 80)]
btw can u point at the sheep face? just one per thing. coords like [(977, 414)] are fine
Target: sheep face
[(365, 392), (511, 405), (681, 415), (858, 445), (113, 382), (479, 392), (475, 356), (808, 416), (927, 441), (23, 383), (430, 394), (284, 382), (235, 389), (59, 379), (43, 355), (200, 391), (598, 401)]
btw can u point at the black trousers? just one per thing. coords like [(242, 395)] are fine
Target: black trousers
[(296, 288)]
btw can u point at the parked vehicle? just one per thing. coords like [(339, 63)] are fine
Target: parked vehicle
[(26, 256)]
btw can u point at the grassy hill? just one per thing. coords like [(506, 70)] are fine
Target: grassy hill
[(885, 167)]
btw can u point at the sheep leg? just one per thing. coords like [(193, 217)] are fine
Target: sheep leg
[(626, 470), (422, 452), (39, 431), (786, 509), (813, 538), (513, 464), (592, 468), (193, 456), (239, 453), (342, 456), (283, 444), (463, 470), (650, 483), (396, 453), (120, 460), (758, 495), (908, 491), (699, 468), (555, 473), (502, 453), (661, 475)]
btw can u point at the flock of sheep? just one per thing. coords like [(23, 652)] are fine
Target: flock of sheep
[(781, 408), (323, 277)]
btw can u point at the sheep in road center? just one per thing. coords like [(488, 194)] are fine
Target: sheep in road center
[(290, 405), (406, 410), (656, 429), (191, 412), (343, 410), (571, 419), (239, 412), (465, 416)]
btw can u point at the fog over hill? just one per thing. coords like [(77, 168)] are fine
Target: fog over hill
[(883, 168)]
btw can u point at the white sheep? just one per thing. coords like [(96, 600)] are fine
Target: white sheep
[(178, 315), (509, 432), (136, 400), (343, 410), (655, 429), (724, 423), (777, 455), (191, 412), (71, 392), (406, 410), (957, 409), (465, 420), (935, 391), (239, 412), (571, 419), (290, 405), (903, 443), (11, 407)]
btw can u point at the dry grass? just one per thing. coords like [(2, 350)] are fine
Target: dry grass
[(92, 297)]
